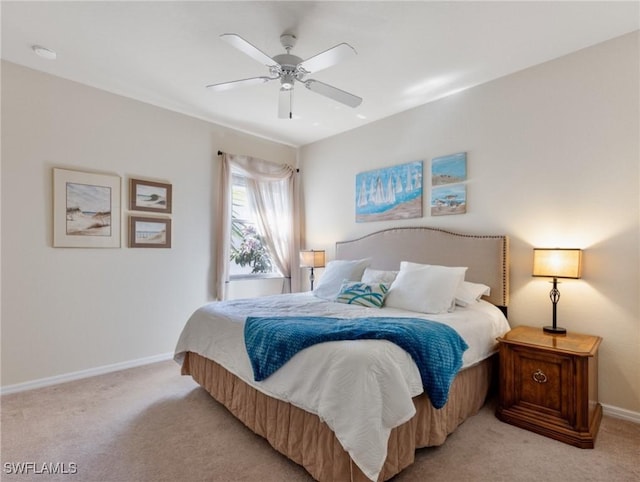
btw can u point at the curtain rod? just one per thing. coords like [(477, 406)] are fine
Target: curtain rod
[(220, 153)]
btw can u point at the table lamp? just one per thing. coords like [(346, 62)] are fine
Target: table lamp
[(310, 258), (556, 263)]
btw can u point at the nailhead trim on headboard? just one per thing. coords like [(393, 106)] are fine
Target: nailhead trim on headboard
[(406, 244)]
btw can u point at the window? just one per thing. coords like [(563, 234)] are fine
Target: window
[(250, 255), (256, 230)]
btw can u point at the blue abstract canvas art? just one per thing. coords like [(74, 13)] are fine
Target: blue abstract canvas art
[(449, 199), (449, 191), (389, 193), (449, 169)]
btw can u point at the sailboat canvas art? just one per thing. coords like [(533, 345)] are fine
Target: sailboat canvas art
[(389, 193)]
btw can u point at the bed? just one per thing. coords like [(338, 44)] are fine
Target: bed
[(356, 410)]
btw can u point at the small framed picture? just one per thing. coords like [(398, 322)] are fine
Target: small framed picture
[(449, 169), (149, 196), (86, 209), (149, 232), (449, 199)]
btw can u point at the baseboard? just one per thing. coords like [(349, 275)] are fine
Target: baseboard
[(91, 372), (622, 413)]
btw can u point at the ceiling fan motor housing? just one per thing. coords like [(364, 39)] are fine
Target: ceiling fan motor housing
[(288, 71)]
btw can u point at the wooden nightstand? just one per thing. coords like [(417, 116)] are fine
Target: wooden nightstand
[(549, 384)]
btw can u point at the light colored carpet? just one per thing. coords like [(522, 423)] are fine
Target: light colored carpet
[(151, 424)]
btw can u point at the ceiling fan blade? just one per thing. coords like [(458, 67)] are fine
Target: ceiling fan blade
[(285, 104), (328, 58), (333, 93), (238, 83), (249, 49)]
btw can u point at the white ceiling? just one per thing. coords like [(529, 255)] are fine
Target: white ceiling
[(409, 53)]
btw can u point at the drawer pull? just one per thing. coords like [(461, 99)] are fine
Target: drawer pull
[(539, 376)]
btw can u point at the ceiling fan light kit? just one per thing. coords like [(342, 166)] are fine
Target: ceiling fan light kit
[(289, 69)]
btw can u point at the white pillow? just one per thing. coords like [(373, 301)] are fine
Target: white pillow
[(373, 276), (426, 288), (410, 265), (335, 273), (469, 293)]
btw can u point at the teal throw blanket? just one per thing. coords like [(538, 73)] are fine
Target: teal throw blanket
[(436, 348)]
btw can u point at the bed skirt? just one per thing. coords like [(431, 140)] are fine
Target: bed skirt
[(303, 438)]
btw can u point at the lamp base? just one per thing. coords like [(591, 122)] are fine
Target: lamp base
[(555, 330)]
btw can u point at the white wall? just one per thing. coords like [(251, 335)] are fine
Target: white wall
[(67, 310), (553, 160)]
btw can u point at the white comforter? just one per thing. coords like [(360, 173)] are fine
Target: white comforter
[(360, 389)]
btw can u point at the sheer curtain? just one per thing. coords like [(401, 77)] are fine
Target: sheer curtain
[(272, 192)]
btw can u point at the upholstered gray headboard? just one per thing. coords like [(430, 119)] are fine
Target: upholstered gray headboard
[(487, 257)]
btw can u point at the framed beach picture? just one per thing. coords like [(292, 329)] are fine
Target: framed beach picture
[(86, 210), (149, 232), (389, 193), (149, 196)]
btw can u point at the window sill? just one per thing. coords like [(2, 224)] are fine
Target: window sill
[(238, 277)]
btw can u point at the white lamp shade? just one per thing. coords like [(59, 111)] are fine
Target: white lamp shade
[(312, 258), (557, 263)]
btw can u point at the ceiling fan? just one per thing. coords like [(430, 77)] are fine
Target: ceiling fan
[(289, 69)]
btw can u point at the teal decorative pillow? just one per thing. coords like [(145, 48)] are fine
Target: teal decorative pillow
[(358, 293)]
